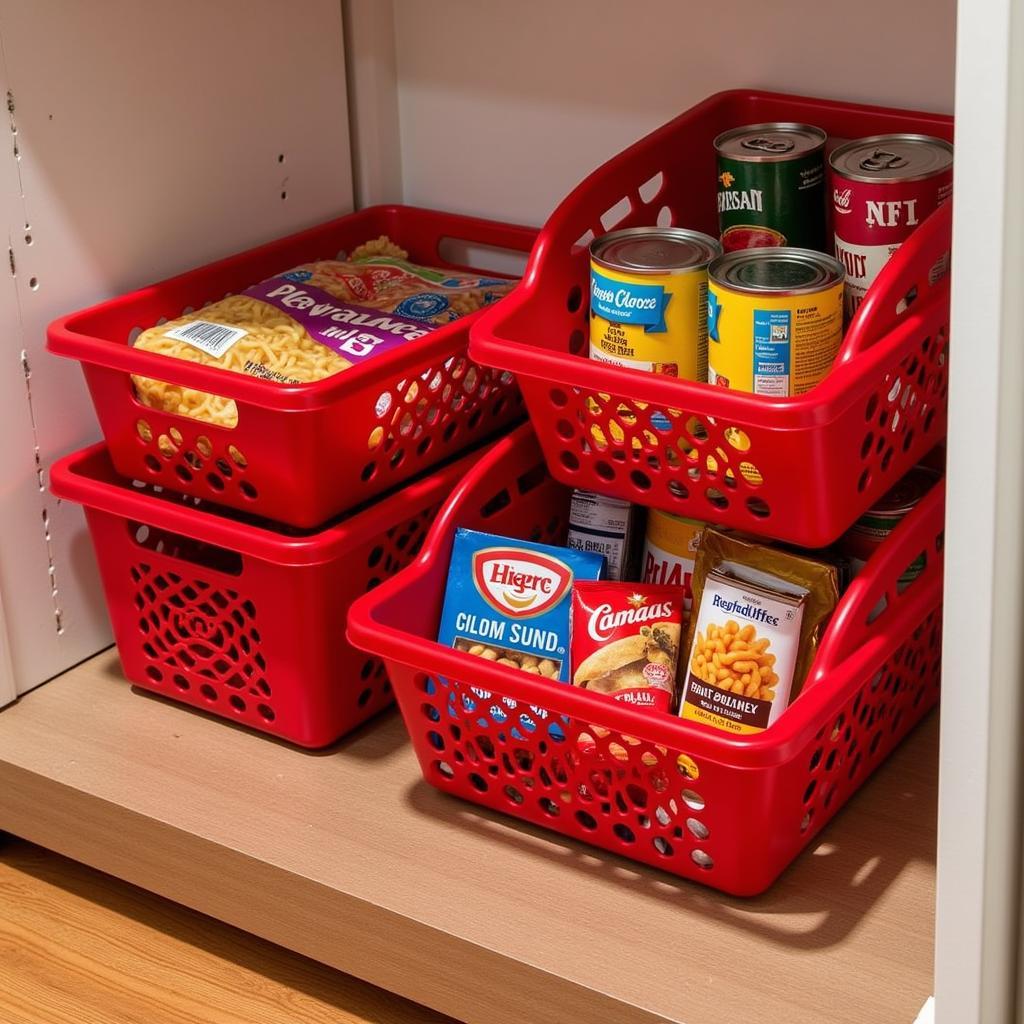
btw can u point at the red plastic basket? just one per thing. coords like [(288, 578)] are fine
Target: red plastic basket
[(728, 812), (824, 457), (300, 453), (238, 616)]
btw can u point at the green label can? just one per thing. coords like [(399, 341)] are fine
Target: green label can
[(771, 186)]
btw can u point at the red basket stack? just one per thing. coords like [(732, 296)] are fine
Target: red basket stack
[(227, 561), (729, 812)]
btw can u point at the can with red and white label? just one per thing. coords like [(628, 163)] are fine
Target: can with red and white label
[(882, 188)]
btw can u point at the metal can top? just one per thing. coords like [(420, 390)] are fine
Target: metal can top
[(654, 250), (660, 513), (901, 498), (781, 271), (892, 158), (773, 141)]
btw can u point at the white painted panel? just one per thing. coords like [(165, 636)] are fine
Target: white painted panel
[(8, 691), (373, 100), (150, 139), (978, 912), (505, 107)]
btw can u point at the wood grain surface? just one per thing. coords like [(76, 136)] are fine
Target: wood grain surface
[(81, 947), (348, 857)]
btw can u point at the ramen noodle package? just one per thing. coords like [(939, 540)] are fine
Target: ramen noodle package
[(311, 322), (625, 641), (758, 613)]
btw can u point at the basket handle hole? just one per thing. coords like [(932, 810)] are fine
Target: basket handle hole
[(616, 213), (495, 504), (532, 478), (907, 301), (187, 549), (651, 188), (912, 572), (583, 242), (460, 252), (878, 610)]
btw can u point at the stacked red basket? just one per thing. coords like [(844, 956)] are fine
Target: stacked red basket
[(230, 556), (730, 812)]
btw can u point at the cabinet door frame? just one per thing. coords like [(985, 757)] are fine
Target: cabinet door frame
[(978, 912)]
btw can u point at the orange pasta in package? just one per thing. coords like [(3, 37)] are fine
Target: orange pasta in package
[(311, 322)]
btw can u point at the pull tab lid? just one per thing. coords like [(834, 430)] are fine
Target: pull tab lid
[(769, 144), (778, 140), (892, 158)]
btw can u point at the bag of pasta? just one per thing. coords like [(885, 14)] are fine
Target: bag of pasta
[(311, 322)]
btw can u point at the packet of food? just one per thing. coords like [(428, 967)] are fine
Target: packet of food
[(625, 641), (311, 322), (758, 616), (508, 601)]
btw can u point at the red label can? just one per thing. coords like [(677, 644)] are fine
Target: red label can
[(883, 187)]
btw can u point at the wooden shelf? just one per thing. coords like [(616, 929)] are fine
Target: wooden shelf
[(348, 857)]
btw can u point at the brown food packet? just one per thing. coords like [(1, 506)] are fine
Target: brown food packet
[(750, 647)]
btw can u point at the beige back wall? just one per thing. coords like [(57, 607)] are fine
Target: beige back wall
[(504, 107)]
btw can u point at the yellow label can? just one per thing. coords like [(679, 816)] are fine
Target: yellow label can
[(648, 300), (670, 548), (775, 320)]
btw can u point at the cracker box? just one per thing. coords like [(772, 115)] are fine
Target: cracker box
[(509, 601)]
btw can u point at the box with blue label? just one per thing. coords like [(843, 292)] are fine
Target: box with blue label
[(509, 601)]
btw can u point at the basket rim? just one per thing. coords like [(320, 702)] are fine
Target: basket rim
[(87, 477), (844, 386), (70, 335)]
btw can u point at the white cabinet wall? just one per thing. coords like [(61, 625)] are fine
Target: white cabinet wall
[(503, 108), (143, 139)]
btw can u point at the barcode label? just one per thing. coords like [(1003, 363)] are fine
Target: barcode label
[(213, 339), (614, 550)]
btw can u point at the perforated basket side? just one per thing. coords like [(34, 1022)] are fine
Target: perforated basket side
[(239, 621), (729, 812)]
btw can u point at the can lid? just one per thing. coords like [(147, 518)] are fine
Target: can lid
[(906, 493), (892, 158), (660, 513), (781, 271), (769, 142), (654, 250)]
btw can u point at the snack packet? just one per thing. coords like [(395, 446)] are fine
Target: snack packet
[(758, 615), (311, 322), (625, 641)]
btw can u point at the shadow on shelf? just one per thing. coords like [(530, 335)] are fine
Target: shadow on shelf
[(816, 902)]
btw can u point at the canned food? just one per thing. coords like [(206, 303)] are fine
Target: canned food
[(648, 300), (868, 533), (771, 186), (606, 526), (670, 548), (882, 188), (775, 320)]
